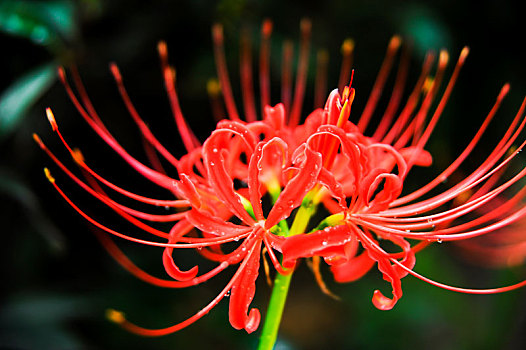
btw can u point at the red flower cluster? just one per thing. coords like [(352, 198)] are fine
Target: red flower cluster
[(325, 165)]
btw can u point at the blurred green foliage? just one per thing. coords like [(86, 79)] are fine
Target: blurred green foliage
[(22, 95)]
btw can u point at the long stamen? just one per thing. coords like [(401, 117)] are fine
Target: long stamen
[(117, 254), (301, 73), (458, 289), (145, 131), (214, 91), (378, 86), (80, 161), (347, 50), (152, 175), (222, 71), (413, 131), (202, 242), (401, 121), (247, 83), (442, 104), (396, 96), (77, 81), (286, 75), (264, 64), (118, 317), (320, 87), (460, 159), (475, 177)]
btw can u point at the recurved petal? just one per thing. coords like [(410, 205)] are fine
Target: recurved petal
[(352, 269), (169, 265), (220, 179), (242, 293), (381, 301), (421, 156)]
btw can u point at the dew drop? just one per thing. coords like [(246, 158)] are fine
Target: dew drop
[(439, 240), (324, 243)]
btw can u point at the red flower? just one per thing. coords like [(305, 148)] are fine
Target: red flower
[(326, 164)]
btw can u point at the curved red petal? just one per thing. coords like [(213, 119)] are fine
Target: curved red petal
[(328, 243), (294, 192), (242, 293)]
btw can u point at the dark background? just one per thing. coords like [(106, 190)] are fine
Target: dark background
[(57, 281)]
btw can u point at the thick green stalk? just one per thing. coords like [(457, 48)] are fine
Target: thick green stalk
[(282, 283)]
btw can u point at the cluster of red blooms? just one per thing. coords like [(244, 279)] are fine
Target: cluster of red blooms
[(324, 165)]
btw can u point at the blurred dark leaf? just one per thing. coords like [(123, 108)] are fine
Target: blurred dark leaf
[(17, 190), (44, 317), (20, 96), (49, 23)]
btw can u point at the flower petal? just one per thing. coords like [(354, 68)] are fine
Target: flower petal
[(296, 189), (328, 243), (220, 180), (242, 293), (214, 225)]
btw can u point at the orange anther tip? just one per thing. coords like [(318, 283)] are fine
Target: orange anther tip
[(217, 32), (444, 57), (162, 48), (305, 25), (504, 91), (51, 119), (115, 71), (347, 46), (395, 42), (115, 316), (61, 73), (212, 87), (464, 53), (77, 156), (37, 139), (266, 27), (49, 176)]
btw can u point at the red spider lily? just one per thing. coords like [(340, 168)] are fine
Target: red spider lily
[(326, 164)]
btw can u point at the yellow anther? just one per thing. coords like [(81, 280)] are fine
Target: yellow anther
[(395, 42), (51, 119), (212, 87), (463, 54), (49, 176), (444, 58), (428, 84), (77, 156), (115, 316), (347, 46), (37, 139), (162, 48)]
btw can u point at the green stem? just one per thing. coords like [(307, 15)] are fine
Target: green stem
[(282, 283)]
